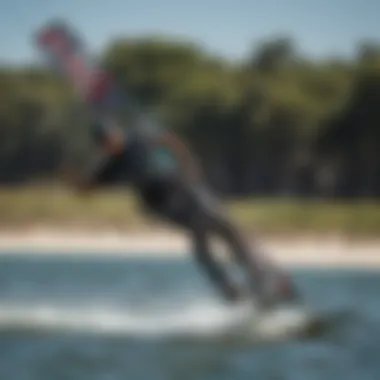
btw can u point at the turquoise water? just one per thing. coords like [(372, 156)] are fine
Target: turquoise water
[(76, 318)]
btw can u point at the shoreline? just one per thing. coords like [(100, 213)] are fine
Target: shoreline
[(330, 252)]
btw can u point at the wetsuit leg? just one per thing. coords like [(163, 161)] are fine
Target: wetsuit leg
[(266, 282), (199, 213), (174, 202), (219, 224), (206, 259)]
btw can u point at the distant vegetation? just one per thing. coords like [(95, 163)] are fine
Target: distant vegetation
[(276, 124)]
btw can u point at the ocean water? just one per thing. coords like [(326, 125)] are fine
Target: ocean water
[(106, 319)]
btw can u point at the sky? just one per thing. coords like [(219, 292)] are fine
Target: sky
[(230, 28)]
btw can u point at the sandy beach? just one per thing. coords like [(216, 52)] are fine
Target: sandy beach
[(329, 251)]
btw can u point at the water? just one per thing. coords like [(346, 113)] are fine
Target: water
[(104, 319)]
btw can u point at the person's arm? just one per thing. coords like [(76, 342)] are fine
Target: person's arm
[(102, 166), (183, 154)]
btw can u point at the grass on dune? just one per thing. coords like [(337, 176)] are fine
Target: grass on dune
[(59, 207)]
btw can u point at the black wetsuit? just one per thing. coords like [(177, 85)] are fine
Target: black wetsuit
[(163, 189)]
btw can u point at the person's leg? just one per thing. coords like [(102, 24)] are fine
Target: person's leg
[(212, 267), (266, 282), (173, 202), (199, 213), (239, 249)]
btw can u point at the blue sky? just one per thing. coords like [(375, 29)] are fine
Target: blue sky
[(226, 27)]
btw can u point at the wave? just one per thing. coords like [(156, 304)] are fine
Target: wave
[(196, 319)]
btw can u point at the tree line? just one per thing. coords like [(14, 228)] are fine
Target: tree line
[(274, 124)]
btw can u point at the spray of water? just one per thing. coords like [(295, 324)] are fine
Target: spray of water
[(195, 319)]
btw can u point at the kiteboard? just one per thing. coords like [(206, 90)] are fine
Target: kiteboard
[(288, 322)]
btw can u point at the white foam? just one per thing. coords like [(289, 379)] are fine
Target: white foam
[(195, 319), (281, 323)]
